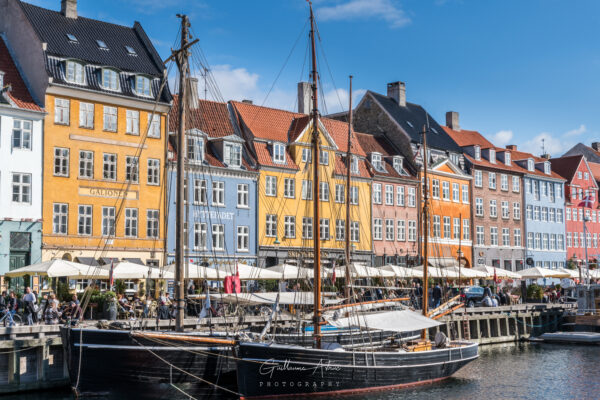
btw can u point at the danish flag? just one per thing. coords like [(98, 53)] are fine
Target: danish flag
[(588, 202)]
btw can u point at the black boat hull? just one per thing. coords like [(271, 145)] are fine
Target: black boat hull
[(116, 364), (267, 371)]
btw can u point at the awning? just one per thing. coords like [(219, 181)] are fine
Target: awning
[(135, 261), (443, 262), (540, 272), (397, 321), (108, 260), (87, 261), (285, 298), (59, 268)]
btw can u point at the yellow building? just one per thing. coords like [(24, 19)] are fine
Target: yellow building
[(104, 140), (281, 143)]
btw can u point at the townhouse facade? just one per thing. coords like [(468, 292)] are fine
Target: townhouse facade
[(394, 203), (104, 134), (580, 185), (496, 202), (21, 143), (220, 189)]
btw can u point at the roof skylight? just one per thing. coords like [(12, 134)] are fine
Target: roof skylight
[(409, 124), (101, 44), (130, 51), (72, 38)]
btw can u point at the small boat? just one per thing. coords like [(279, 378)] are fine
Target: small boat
[(569, 338)]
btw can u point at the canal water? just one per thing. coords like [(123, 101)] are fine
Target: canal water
[(515, 371)]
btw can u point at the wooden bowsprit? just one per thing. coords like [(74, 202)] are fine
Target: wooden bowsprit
[(446, 308)]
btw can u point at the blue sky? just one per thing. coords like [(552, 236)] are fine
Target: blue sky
[(516, 70)]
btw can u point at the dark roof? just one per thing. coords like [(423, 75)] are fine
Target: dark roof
[(566, 166), (18, 92), (380, 144), (412, 118), (590, 154)]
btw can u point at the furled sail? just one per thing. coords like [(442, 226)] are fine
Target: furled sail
[(397, 321)]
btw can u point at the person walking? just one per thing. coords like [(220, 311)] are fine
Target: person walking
[(51, 313), (29, 301), (437, 295), (419, 294)]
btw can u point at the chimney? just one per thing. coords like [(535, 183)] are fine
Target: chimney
[(511, 147), (452, 120), (545, 156), (397, 91), (596, 146), (304, 98), (193, 98), (247, 101), (68, 8)]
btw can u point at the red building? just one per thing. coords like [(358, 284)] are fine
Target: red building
[(580, 184)]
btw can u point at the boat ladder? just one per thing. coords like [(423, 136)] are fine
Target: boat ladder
[(466, 327)]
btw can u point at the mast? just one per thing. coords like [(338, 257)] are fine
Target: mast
[(316, 188), (425, 229), (182, 64), (348, 175)]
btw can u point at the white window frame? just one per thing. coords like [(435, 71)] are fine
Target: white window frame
[(21, 188), (132, 119), (21, 134), (307, 228), (307, 190), (62, 111), (84, 220), (109, 166), (270, 185), (154, 120), (108, 221), (110, 79), (86, 164), (131, 222), (75, 72), (86, 115), (152, 223), (132, 169), (110, 119), (60, 219), (243, 238), (289, 188), (243, 195), (218, 193), (153, 177), (143, 86), (218, 237), (279, 153), (289, 227), (61, 161)]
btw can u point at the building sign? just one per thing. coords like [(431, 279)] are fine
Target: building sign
[(108, 192), (217, 215), (308, 254)]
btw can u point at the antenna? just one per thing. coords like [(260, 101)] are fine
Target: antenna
[(543, 147), (205, 72)]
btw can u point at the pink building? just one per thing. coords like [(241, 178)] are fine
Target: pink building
[(394, 202)]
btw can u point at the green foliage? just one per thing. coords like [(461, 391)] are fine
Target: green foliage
[(62, 291), (271, 285), (120, 286), (571, 264), (535, 292)]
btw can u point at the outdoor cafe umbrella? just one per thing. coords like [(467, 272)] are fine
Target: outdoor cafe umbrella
[(540, 272), (196, 271), (358, 270), (249, 273), (435, 272), (403, 272), (129, 270), (501, 273), (290, 271), (467, 273), (59, 268), (573, 273)]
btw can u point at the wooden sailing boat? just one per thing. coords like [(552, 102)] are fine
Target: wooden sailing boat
[(267, 370)]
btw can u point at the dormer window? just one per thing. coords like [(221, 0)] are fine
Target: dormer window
[(354, 165), (75, 72), (530, 165), (397, 160), (492, 156), (72, 38), (278, 153), (195, 149), (1, 80), (130, 51), (142, 86), (101, 44), (454, 158), (376, 161), (110, 79), (507, 158), (477, 151), (547, 168), (232, 154)]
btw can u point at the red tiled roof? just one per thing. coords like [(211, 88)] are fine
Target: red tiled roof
[(468, 138), (19, 93), (264, 122), (210, 117), (338, 131), (595, 168), (264, 157), (340, 168), (379, 144), (566, 166)]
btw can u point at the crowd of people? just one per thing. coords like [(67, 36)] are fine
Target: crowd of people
[(36, 309)]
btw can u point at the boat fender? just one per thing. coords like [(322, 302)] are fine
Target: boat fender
[(332, 346), (441, 340)]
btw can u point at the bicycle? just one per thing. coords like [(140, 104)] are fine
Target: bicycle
[(13, 319)]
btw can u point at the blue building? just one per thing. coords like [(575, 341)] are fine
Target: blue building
[(544, 212), (220, 189)]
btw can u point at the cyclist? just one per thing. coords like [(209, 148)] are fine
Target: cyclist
[(11, 308)]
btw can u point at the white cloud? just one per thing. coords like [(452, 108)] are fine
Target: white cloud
[(334, 97), (576, 132), (554, 144), (358, 9), (502, 138)]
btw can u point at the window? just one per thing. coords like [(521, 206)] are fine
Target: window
[(271, 225), (86, 115), (516, 184), (492, 154), (324, 229), (551, 191), (516, 210), (389, 195), (354, 195), (480, 235), (242, 195), (86, 164), (195, 149), (412, 231), (545, 241), (323, 157), (569, 243), (477, 151), (538, 241), (377, 229), (479, 206), (142, 85), (493, 209), (529, 212), (354, 165), (154, 122), (376, 161), (218, 236), (436, 227), (435, 188), (131, 222), (271, 185), (324, 191), (494, 236), (504, 182), (377, 193), (21, 188), (544, 216), (61, 111), (243, 238), (389, 229), (398, 161), (551, 217), (455, 192), (307, 228), (306, 155), (574, 215), (278, 153), (200, 236), (446, 190), (401, 230), (153, 171), (60, 218), (543, 188), (478, 178), (492, 180), (232, 154), (110, 79), (200, 195), (131, 169), (530, 165), (530, 244), (400, 196), (354, 231), (218, 193), (517, 237), (505, 210), (447, 233), (505, 237), (506, 158), (289, 188), (340, 229), (465, 194), (307, 191), (61, 162), (108, 221), (84, 223), (536, 189), (152, 223), (110, 119), (412, 197), (133, 122), (547, 168), (21, 134), (586, 176), (466, 229), (340, 193), (110, 166), (536, 213), (456, 228), (559, 215), (75, 73), (552, 243), (560, 242), (289, 226), (559, 190)]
